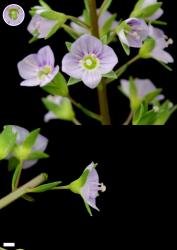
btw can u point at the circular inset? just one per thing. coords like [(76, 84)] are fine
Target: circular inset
[(13, 15)]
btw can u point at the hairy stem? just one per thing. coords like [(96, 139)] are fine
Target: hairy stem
[(23, 190), (102, 88), (86, 111), (123, 68), (129, 119)]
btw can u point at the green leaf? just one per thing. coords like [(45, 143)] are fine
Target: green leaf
[(139, 113), (58, 86), (151, 96), (165, 66), (33, 39), (148, 119), (45, 187), (158, 22), (86, 16), (56, 27), (73, 81), (68, 45), (16, 174), (165, 112), (146, 49), (28, 198), (12, 164), (147, 11), (107, 25), (121, 70), (31, 139), (7, 141), (42, 3), (36, 155), (126, 48), (54, 15), (104, 7), (71, 32), (22, 151), (63, 111), (111, 75), (87, 207)]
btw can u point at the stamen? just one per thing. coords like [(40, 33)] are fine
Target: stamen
[(102, 187)]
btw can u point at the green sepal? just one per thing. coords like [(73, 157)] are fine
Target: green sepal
[(146, 49), (111, 75), (58, 86), (107, 25), (22, 151), (63, 111), (12, 164), (104, 7), (16, 175), (145, 12), (7, 141), (68, 46), (36, 155), (45, 187), (73, 81), (87, 207)]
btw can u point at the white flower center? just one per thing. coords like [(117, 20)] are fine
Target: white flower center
[(90, 62), (44, 72)]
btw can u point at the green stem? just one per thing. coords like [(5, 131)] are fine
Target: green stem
[(129, 119), (79, 22), (103, 102), (102, 88), (123, 68), (86, 111), (76, 122), (70, 31), (23, 190)]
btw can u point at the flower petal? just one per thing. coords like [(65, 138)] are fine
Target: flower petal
[(91, 78), (29, 164), (40, 26), (71, 66), (30, 82), (86, 45), (49, 116), (123, 37), (49, 77), (125, 87), (46, 57), (28, 67), (108, 60), (40, 144), (156, 15), (21, 133), (162, 56)]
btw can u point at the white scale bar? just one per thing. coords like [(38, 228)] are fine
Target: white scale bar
[(8, 244)]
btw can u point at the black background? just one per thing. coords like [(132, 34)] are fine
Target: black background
[(139, 204)]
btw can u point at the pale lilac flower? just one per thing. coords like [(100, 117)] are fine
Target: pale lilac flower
[(59, 107), (157, 14), (135, 34), (90, 189), (161, 42), (40, 27), (143, 88), (40, 144), (89, 60), (56, 100), (13, 15), (38, 69), (101, 21)]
